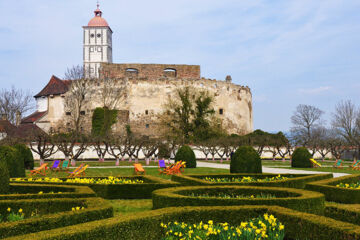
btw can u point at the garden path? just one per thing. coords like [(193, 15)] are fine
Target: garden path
[(268, 169)]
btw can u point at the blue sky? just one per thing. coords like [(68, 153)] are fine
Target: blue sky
[(288, 52)]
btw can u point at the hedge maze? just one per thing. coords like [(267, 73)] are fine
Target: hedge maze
[(81, 211)]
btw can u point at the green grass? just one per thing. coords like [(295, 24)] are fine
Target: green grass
[(106, 163), (105, 172), (330, 169), (125, 207)]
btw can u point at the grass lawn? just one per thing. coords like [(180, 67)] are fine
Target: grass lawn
[(105, 172), (126, 207), (330, 169), (106, 163)]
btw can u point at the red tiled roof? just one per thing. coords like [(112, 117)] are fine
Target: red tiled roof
[(33, 117), (55, 86), (8, 127), (27, 130)]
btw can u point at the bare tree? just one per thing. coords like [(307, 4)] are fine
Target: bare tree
[(13, 101), (117, 147), (346, 122), (112, 92), (71, 144), (42, 144), (74, 73), (101, 146), (304, 120)]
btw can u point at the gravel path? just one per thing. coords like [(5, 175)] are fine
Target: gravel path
[(268, 169)]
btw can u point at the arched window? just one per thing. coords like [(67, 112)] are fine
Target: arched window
[(169, 72), (131, 72)]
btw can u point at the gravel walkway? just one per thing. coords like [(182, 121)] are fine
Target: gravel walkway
[(268, 169)]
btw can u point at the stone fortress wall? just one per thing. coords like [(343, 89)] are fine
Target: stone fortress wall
[(148, 87)]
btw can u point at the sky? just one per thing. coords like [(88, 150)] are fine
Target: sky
[(288, 52)]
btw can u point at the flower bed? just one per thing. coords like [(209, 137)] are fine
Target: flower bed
[(133, 187), (233, 195), (269, 180), (37, 191), (245, 179), (297, 199), (336, 193), (108, 180), (50, 213), (147, 225), (263, 227)]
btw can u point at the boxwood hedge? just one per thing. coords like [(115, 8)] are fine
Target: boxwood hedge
[(125, 191), (296, 199), (293, 181), (343, 212), (31, 191), (146, 225), (337, 194), (56, 212)]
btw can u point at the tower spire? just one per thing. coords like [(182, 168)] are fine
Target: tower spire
[(98, 12)]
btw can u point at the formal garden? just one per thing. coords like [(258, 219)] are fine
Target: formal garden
[(189, 202)]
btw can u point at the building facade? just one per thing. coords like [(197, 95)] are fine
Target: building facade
[(146, 88)]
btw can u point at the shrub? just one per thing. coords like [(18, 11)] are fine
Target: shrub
[(147, 225), (245, 160), (13, 160), (293, 181), (301, 158), (185, 153), (4, 177), (26, 155), (337, 194), (297, 199)]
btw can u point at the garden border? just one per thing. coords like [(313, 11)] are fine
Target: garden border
[(301, 200), (297, 182), (146, 225), (96, 209), (66, 191), (123, 191), (337, 194)]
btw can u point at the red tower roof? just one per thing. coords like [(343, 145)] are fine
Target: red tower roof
[(98, 21)]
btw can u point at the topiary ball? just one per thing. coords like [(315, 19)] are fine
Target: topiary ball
[(301, 158), (26, 155), (4, 177), (245, 160), (14, 161), (186, 154)]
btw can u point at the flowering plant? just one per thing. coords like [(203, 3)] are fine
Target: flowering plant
[(263, 227), (245, 179), (355, 185)]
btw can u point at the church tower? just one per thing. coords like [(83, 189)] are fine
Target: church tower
[(97, 44)]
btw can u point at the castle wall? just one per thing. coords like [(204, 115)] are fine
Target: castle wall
[(149, 71)]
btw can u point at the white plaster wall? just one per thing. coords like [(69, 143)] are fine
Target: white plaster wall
[(42, 104)]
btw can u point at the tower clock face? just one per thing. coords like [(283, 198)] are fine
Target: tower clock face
[(92, 35), (98, 35)]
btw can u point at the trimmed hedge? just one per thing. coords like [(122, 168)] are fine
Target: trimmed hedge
[(296, 199), (245, 160), (296, 180), (146, 225), (125, 191), (60, 216), (31, 191), (13, 160), (337, 194), (4, 177), (343, 212), (26, 155), (185, 153), (301, 158)]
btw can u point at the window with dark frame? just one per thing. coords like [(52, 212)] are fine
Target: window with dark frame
[(147, 112), (82, 112), (221, 111), (147, 125), (68, 113)]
